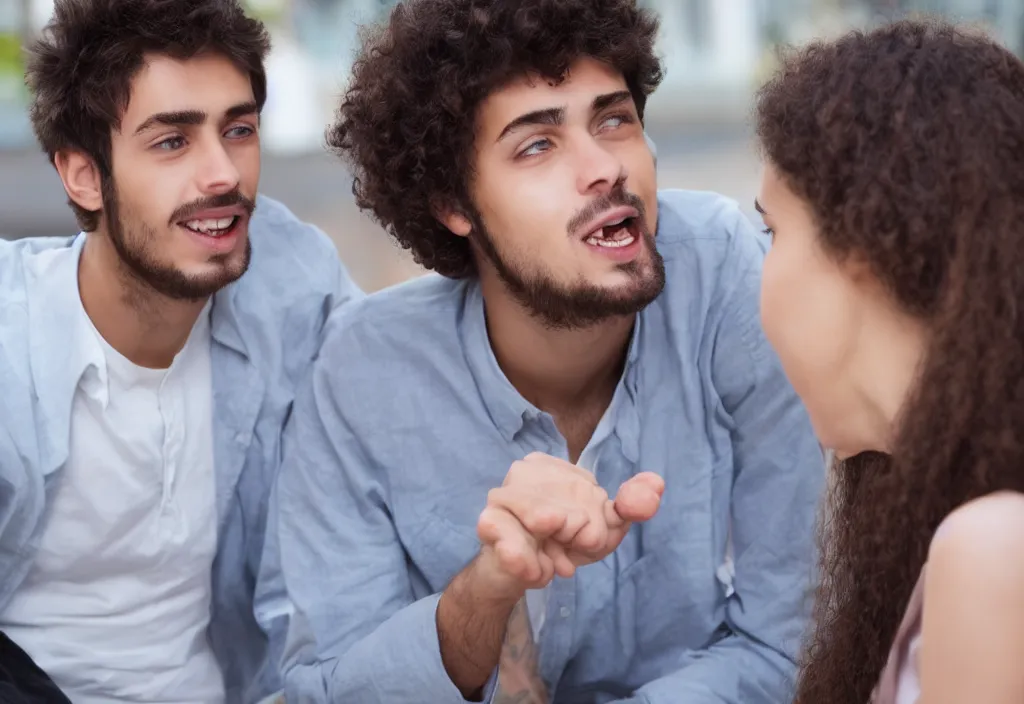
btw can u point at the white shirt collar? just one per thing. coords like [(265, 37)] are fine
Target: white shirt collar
[(56, 273)]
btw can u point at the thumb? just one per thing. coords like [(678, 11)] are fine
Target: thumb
[(640, 497)]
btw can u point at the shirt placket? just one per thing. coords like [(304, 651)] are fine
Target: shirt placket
[(556, 637)]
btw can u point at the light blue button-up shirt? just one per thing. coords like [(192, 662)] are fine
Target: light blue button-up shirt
[(266, 329), (408, 421)]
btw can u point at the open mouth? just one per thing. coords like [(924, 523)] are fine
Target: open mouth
[(214, 227), (616, 234)]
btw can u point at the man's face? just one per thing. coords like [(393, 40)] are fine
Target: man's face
[(565, 197), (186, 165)]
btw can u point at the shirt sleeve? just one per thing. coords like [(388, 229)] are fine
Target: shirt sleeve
[(355, 632), (326, 285)]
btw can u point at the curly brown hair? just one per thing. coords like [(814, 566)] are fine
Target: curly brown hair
[(81, 68), (406, 125), (908, 144)]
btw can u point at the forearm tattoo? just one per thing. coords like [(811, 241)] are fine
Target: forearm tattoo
[(519, 680)]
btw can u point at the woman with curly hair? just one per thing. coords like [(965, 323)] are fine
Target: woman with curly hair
[(894, 193)]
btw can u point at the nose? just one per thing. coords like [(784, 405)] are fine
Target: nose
[(217, 171), (599, 169)]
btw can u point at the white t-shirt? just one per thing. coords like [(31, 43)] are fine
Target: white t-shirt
[(116, 605)]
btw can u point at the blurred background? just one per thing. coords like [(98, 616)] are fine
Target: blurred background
[(716, 53)]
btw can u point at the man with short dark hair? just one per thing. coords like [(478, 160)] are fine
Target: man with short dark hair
[(522, 479), (149, 363)]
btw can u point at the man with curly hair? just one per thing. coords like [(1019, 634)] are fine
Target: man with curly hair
[(148, 364), (523, 480)]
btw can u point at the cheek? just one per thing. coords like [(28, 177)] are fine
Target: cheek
[(142, 208), (807, 317), (526, 213), (643, 182), (248, 164)]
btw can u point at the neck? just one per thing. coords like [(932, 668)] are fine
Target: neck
[(891, 349), (555, 370), (148, 328)]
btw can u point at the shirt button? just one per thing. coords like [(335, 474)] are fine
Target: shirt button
[(564, 612)]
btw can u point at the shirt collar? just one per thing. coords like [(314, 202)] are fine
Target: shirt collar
[(55, 310), (627, 420), (225, 327), (63, 346), (505, 405)]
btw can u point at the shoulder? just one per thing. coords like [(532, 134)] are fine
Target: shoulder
[(295, 279), (35, 275), (15, 255), (978, 537), (708, 243), (22, 260), (409, 333), (973, 623), (291, 259), (405, 321), (12, 274), (688, 218), (973, 560), (713, 258)]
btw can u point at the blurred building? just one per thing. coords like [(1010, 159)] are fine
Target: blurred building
[(715, 53)]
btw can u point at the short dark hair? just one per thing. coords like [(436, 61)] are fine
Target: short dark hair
[(907, 143), (80, 70), (406, 124)]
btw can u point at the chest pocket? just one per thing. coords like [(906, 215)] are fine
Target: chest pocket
[(673, 607), (672, 594)]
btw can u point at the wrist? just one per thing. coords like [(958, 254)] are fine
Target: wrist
[(472, 615), (488, 583)]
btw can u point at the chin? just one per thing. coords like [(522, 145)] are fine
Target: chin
[(225, 267)]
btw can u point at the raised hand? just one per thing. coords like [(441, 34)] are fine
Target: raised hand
[(550, 516)]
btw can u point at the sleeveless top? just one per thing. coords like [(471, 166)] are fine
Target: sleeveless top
[(900, 682)]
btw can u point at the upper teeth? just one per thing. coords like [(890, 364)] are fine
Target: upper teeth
[(208, 225), (617, 222)]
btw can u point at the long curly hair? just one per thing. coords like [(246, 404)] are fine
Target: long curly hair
[(908, 144), (406, 125)]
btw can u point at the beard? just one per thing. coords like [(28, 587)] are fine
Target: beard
[(135, 242), (578, 305)]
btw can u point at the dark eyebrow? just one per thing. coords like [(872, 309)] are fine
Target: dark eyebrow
[(173, 119), (241, 110), (548, 116), (758, 208), (181, 118), (604, 101), (556, 116)]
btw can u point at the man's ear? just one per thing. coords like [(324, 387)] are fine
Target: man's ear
[(451, 217), (81, 179)]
